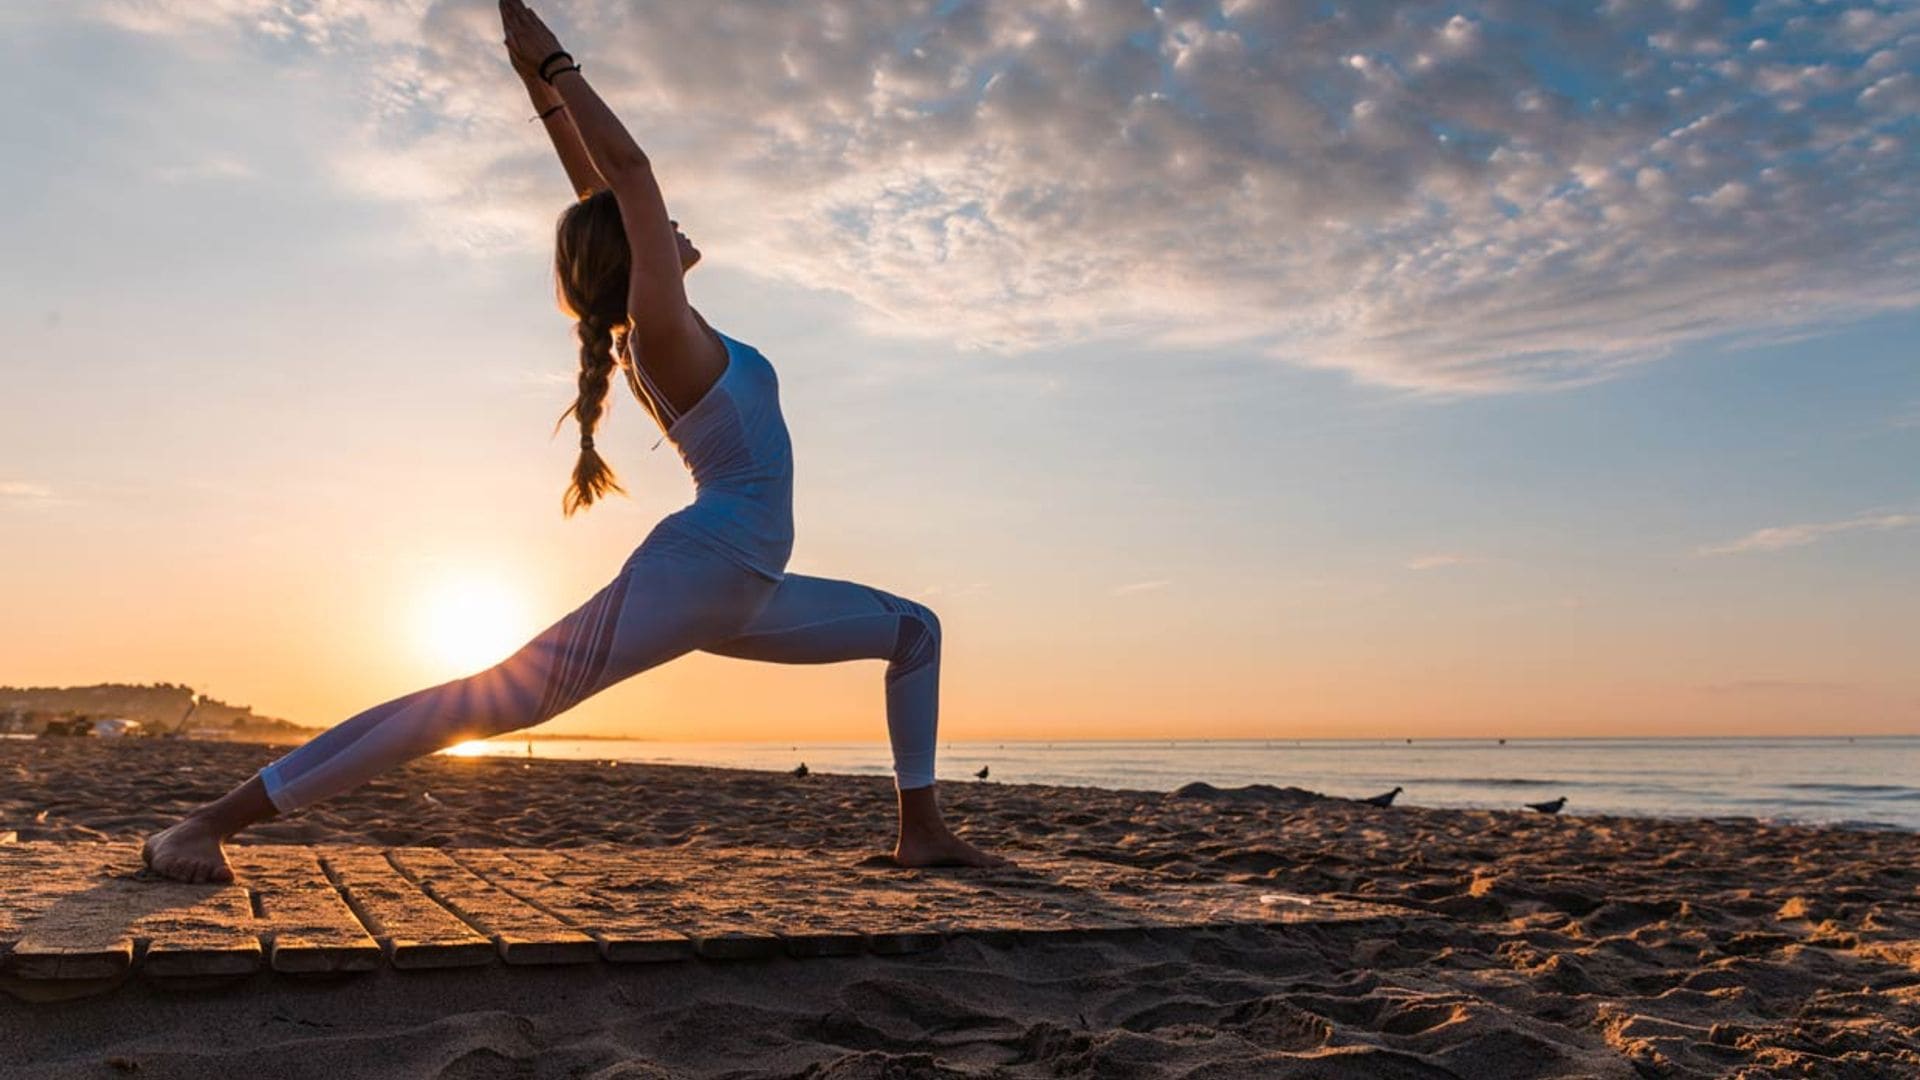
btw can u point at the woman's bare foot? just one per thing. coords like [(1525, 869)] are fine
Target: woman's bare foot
[(187, 851), (925, 839), (942, 850)]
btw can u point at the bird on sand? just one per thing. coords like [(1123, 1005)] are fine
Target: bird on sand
[(984, 769), (802, 770), (1548, 807), (1385, 798)]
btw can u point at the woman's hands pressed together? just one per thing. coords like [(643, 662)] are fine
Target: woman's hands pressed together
[(528, 40)]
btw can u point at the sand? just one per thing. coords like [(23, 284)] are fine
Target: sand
[(1532, 947)]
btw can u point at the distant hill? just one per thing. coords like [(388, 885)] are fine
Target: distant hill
[(158, 707)]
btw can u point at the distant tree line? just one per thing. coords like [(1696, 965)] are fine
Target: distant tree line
[(158, 707)]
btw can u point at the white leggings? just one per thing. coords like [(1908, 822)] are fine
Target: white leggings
[(674, 595)]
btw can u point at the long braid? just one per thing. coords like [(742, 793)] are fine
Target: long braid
[(592, 479), (592, 272)]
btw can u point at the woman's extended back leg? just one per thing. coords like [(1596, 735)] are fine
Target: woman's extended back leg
[(662, 605)]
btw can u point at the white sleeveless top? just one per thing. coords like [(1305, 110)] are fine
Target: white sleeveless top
[(734, 442)]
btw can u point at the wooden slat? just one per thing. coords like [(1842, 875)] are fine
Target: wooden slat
[(27, 888), (523, 933), (1043, 897), (306, 923), (625, 933), (793, 894), (214, 935), (103, 911), (412, 929), (42, 879), (652, 884)]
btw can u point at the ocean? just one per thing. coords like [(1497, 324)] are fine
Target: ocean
[(1865, 782)]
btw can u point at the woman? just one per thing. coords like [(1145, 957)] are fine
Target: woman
[(709, 576)]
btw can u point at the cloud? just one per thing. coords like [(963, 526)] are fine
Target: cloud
[(1447, 197), (1437, 562), (217, 167), (1790, 536), (1140, 586), (20, 494)]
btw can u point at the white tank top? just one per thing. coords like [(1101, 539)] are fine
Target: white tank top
[(734, 442)]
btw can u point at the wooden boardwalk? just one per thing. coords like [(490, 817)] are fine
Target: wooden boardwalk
[(74, 914)]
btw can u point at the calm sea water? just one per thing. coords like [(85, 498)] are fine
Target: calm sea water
[(1860, 782)]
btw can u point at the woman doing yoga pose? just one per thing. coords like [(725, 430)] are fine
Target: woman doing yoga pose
[(710, 576)]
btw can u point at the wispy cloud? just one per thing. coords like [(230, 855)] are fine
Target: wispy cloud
[(1140, 586), (1439, 561), (1423, 195), (1780, 537), (20, 493), (217, 167)]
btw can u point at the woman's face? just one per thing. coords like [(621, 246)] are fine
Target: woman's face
[(688, 253)]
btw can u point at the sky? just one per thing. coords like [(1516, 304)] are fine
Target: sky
[(1236, 369)]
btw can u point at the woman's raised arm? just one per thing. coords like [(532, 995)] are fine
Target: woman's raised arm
[(566, 139), (658, 301)]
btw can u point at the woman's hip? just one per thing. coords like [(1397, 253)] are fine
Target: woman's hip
[(698, 532)]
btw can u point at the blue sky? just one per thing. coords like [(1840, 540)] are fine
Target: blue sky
[(1220, 405)]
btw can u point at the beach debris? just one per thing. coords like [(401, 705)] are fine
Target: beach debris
[(1548, 807), (1385, 798), (984, 769), (802, 770), (1267, 793)]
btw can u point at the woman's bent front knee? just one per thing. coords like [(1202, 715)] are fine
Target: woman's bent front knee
[(916, 644)]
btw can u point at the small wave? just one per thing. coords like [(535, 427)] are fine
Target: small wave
[(1494, 781), (1850, 824), (1900, 790)]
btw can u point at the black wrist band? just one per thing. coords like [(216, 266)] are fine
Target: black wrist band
[(546, 113), (551, 57), (561, 71)]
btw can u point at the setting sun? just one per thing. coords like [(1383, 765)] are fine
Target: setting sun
[(470, 622)]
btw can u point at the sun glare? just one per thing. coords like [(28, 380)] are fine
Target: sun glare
[(471, 622), (470, 748)]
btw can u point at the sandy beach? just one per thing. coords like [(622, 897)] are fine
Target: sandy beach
[(1532, 947)]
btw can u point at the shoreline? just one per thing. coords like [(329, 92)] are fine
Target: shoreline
[(1407, 802)]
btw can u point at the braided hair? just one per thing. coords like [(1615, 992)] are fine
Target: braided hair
[(591, 267)]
